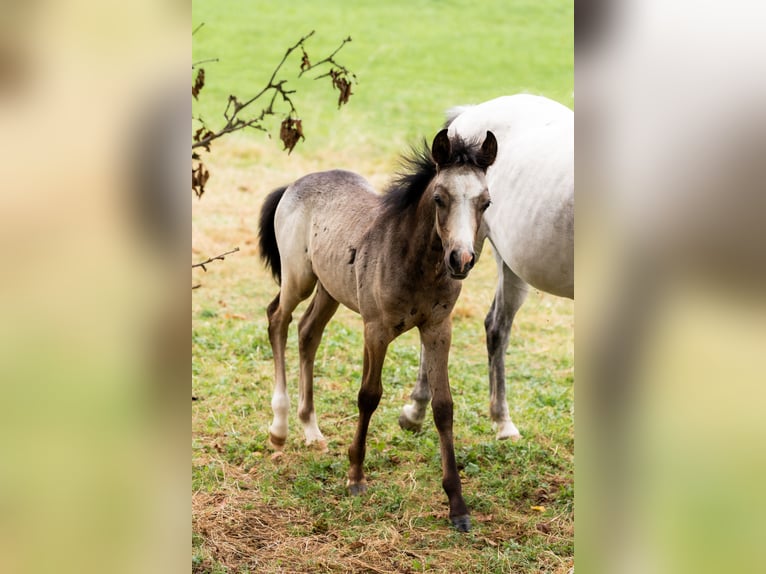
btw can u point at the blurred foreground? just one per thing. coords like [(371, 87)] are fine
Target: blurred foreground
[(94, 220), (671, 285)]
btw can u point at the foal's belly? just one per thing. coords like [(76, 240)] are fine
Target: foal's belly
[(337, 223), (333, 255)]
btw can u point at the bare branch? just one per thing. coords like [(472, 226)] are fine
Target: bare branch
[(222, 256), (234, 123), (276, 95), (277, 89)]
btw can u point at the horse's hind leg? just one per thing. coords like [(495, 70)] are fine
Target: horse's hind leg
[(280, 313), (413, 414), (509, 296), (310, 330)]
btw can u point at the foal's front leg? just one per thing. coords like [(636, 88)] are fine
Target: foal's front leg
[(375, 345), (436, 341)]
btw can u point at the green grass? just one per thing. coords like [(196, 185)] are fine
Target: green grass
[(256, 513), (502, 481), (413, 60)]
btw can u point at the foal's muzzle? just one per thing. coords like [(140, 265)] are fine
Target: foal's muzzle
[(460, 262)]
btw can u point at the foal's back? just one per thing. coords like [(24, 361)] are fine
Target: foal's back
[(320, 220)]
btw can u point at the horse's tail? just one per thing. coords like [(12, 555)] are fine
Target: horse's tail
[(267, 236), (453, 113)]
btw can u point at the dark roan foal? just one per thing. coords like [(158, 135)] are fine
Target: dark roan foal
[(397, 259)]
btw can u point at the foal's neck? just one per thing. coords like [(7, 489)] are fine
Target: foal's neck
[(424, 251)]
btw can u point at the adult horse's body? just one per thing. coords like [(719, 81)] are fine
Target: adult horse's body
[(397, 259), (530, 224)]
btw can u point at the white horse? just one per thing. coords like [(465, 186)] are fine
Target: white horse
[(530, 224)]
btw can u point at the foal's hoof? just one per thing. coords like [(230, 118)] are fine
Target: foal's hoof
[(276, 443), (409, 425), (461, 523), (357, 488)]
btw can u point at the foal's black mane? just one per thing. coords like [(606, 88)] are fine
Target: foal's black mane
[(419, 168)]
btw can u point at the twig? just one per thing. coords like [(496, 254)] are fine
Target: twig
[(365, 565), (197, 28), (348, 418), (195, 64), (222, 256), (329, 59), (289, 51)]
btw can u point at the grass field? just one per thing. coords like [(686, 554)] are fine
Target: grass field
[(253, 512)]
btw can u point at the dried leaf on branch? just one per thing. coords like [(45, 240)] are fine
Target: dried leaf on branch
[(199, 83), (290, 131), (305, 62), (342, 84), (200, 175)]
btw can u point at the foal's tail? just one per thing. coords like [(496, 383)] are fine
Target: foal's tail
[(267, 237)]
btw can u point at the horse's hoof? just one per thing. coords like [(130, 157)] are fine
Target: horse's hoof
[(507, 430), (461, 523), (505, 436), (406, 424), (357, 488), (276, 443)]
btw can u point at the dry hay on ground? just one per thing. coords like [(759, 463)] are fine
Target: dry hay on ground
[(260, 538)]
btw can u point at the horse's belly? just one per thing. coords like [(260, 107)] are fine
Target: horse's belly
[(554, 276), (541, 255)]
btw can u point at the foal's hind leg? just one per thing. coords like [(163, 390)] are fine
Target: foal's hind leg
[(414, 414), (509, 296), (310, 330), (280, 313)]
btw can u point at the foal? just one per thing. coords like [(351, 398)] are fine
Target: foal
[(396, 259)]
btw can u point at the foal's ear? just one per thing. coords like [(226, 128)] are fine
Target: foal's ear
[(488, 151), (441, 148)]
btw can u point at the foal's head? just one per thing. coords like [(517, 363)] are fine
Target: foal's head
[(460, 196)]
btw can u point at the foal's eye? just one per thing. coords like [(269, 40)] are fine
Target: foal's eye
[(485, 205), (438, 200)]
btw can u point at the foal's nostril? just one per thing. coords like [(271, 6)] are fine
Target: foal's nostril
[(461, 261), (454, 260)]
